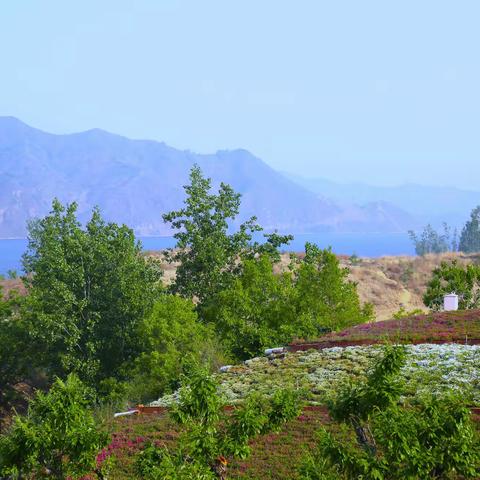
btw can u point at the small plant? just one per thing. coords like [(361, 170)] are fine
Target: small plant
[(57, 438), (402, 312), (210, 436), (354, 259), (407, 273), (12, 274)]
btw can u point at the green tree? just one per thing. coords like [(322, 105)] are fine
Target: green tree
[(255, 311), (262, 308), (430, 438), (325, 299), (432, 241), (470, 236), (453, 277), (88, 290), (208, 255), (58, 438), (169, 335)]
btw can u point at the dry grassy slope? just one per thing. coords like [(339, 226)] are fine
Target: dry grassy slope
[(392, 282), (387, 282)]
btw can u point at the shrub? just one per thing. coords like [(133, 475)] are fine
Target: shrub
[(58, 437), (210, 435), (453, 277), (429, 438), (169, 335)]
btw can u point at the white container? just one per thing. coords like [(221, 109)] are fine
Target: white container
[(450, 302)]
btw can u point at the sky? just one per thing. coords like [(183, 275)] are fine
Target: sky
[(382, 92)]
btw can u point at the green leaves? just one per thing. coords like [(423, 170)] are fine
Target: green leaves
[(428, 438), (58, 434), (88, 290), (210, 434), (262, 308), (453, 277), (208, 254)]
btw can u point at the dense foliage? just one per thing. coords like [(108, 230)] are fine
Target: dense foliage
[(452, 277), (97, 323), (88, 290), (57, 438), (262, 308), (16, 352), (168, 335), (470, 237), (429, 438), (207, 253)]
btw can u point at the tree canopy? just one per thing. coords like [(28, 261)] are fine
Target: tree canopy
[(207, 254), (88, 290)]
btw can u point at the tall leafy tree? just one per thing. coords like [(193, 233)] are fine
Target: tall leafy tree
[(89, 289), (208, 255), (262, 308), (256, 310), (470, 237)]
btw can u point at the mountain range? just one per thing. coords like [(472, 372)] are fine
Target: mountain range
[(136, 181), (429, 204)]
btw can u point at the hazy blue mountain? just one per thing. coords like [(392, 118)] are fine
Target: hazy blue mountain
[(427, 203), (135, 181)]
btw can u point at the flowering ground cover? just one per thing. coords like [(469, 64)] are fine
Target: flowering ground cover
[(320, 373), (274, 456), (436, 327)]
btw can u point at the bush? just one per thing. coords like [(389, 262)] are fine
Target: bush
[(262, 308), (452, 277), (157, 463), (58, 437), (429, 438), (210, 435), (169, 335)]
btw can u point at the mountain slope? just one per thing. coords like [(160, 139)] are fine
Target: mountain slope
[(428, 203), (135, 181)]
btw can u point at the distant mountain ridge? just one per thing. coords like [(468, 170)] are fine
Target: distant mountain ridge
[(427, 203), (136, 181)]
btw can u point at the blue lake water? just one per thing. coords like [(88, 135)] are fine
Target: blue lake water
[(362, 244)]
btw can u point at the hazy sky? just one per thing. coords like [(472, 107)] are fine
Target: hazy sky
[(383, 92)]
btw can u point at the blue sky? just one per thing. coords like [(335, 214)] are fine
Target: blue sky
[(383, 92)]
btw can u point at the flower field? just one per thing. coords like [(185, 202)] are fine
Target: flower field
[(320, 373), (274, 456), (439, 327), (437, 360)]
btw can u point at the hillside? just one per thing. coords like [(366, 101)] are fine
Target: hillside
[(388, 282), (136, 181), (431, 204)]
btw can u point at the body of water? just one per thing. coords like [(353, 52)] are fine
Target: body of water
[(362, 244)]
